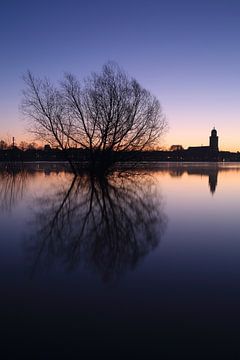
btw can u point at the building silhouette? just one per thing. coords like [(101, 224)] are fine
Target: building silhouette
[(213, 140), (205, 153)]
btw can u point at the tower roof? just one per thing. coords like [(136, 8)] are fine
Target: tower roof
[(214, 131)]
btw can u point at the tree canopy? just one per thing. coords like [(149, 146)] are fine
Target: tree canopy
[(105, 113)]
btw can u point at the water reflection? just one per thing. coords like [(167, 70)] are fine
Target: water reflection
[(13, 184), (213, 176), (187, 288), (210, 171), (108, 222)]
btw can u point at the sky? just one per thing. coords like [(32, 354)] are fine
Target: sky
[(186, 52)]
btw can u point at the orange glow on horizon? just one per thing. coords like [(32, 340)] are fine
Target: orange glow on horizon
[(177, 135)]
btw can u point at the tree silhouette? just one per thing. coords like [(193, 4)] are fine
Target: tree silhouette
[(108, 113)]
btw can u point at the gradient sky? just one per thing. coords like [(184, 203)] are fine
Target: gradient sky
[(185, 52)]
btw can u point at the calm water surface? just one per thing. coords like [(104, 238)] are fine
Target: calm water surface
[(141, 259)]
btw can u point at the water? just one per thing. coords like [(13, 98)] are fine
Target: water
[(146, 258)]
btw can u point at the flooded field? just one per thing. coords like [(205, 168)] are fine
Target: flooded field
[(143, 257)]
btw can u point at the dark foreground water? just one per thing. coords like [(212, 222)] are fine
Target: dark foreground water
[(143, 260)]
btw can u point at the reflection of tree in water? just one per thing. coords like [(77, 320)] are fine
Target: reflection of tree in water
[(13, 182), (110, 222)]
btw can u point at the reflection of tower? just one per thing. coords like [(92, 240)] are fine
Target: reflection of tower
[(213, 175), (213, 140)]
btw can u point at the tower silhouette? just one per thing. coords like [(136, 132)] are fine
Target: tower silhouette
[(213, 140)]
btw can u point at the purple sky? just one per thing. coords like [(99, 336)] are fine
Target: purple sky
[(185, 52)]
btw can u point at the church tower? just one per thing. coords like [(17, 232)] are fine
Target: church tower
[(213, 140)]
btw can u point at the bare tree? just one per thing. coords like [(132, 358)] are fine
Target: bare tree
[(3, 145), (6, 142), (176, 148), (23, 145), (43, 106), (109, 112)]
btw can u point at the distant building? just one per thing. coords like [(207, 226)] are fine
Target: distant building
[(205, 153), (213, 144)]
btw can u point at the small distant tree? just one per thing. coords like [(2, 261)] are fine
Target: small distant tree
[(23, 145), (28, 146), (32, 146), (176, 148), (107, 113), (47, 147), (3, 145)]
